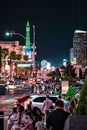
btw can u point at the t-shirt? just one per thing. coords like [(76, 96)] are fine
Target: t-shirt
[(47, 104), (56, 119)]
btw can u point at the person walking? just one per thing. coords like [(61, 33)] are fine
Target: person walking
[(36, 113), (39, 124), (12, 118), (57, 118), (46, 106)]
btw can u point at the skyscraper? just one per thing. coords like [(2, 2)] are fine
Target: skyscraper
[(80, 47)]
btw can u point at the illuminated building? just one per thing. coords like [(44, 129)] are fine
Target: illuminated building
[(27, 49), (12, 46), (27, 44), (80, 47)]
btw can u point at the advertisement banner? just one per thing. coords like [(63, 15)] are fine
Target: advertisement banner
[(65, 86)]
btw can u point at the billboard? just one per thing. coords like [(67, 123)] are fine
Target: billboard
[(23, 65), (65, 86)]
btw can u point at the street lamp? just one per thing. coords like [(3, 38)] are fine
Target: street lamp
[(33, 47), (14, 33)]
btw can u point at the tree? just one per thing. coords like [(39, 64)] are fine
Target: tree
[(70, 70), (25, 57), (18, 57), (63, 67), (63, 71), (13, 55), (71, 92), (55, 75), (80, 73), (67, 78), (85, 73), (37, 66), (82, 104), (4, 52), (57, 72)]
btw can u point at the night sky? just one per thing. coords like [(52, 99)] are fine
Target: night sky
[(55, 22)]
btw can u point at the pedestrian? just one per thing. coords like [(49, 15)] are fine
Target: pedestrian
[(67, 104), (36, 113), (39, 124), (22, 121), (72, 106), (28, 111), (11, 118), (57, 118), (46, 106)]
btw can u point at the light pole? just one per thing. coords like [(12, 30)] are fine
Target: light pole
[(14, 33), (33, 47)]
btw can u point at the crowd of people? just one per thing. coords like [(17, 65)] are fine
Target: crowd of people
[(50, 118), (51, 88), (25, 119)]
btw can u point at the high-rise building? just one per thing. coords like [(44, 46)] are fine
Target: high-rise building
[(80, 47), (12, 46)]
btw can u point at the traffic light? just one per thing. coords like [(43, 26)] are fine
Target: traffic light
[(0, 57), (9, 61)]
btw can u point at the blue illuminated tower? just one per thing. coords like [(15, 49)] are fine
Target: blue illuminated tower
[(28, 47)]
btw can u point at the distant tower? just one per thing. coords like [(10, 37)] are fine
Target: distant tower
[(28, 47)]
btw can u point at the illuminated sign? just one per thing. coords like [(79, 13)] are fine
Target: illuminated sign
[(23, 65), (65, 86)]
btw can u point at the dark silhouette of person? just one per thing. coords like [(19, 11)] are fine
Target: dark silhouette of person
[(57, 118)]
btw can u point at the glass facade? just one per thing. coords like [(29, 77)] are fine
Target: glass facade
[(80, 47)]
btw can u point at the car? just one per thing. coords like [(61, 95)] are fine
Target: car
[(11, 86), (37, 100)]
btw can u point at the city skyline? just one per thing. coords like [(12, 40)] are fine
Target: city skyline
[(55, 23)]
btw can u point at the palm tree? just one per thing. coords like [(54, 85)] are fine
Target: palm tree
[(4, 54), (70, 70), (25, 57), (18, 57), (13, 55), (55, 75)]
